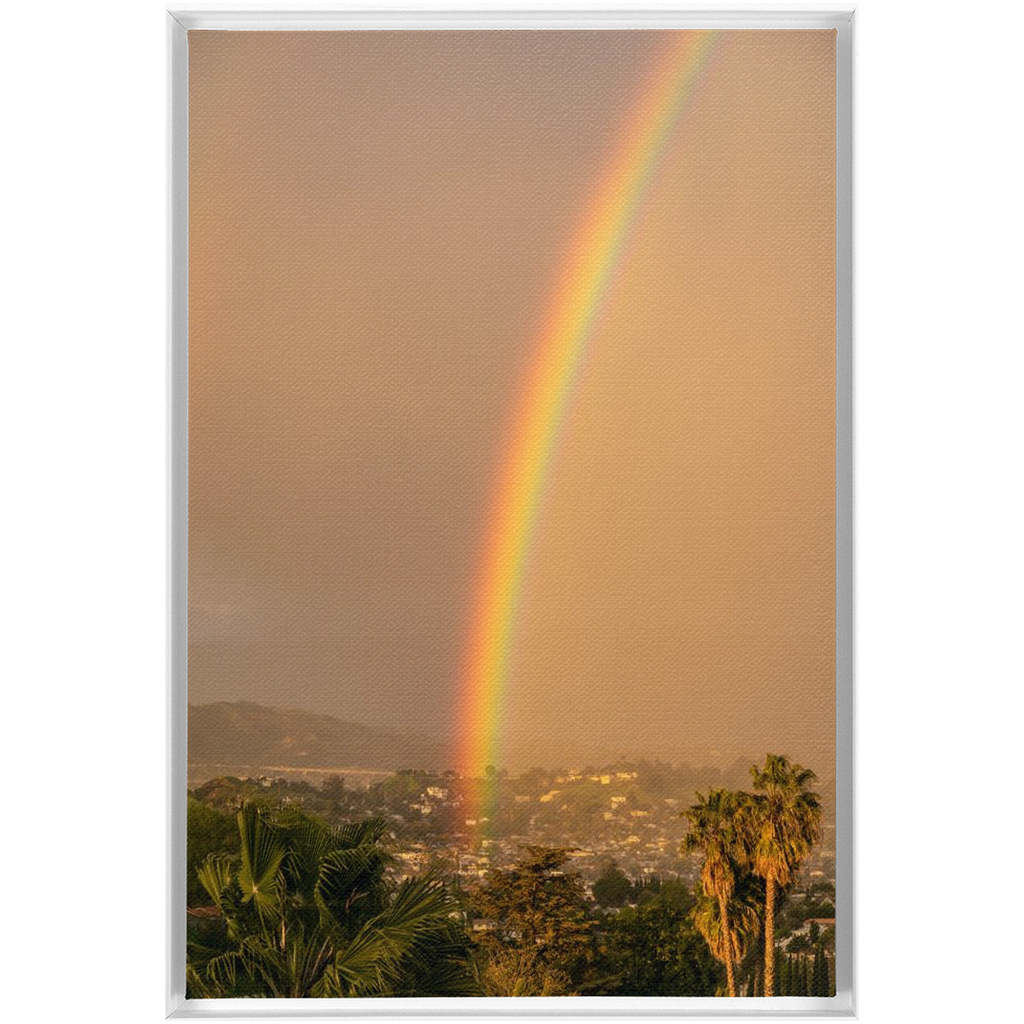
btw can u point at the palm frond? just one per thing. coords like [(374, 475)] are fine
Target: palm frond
[(262, 851), (215, 875), (310, 910), (351, 884)]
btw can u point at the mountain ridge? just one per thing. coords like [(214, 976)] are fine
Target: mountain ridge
[(244, 732)]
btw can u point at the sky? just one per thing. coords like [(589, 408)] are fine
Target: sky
[(377, 222)]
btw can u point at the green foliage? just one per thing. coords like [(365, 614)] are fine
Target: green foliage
[(716, 830), (819, 975), (208, 832), (536, 905), (793, 982), (673, 892), (333, 788), (744, 916), (311, 910), (755, 842), (785, 973), (654, 950), (782, 821), (783, 818), (515, 971), (613, 888)]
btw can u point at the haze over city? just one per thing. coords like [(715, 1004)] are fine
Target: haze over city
[(373, 242)]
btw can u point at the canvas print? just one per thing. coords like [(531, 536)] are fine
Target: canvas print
[(511, 514)]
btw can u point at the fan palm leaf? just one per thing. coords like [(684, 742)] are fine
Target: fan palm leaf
[(261, 855), (311, 911), (216, 874)]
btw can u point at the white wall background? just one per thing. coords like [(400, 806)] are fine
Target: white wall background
[(939, 371)]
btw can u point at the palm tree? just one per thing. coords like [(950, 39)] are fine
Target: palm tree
[(715, 830), (311, 910), (744, 917), (783, 819)]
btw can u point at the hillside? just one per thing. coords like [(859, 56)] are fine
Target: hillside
[(246, 734)]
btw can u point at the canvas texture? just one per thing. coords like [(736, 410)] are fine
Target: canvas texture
[(512, 514)]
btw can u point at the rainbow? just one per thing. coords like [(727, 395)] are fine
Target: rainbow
[(581, 291)]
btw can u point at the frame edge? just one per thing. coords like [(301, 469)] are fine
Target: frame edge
[(181, 20), (177, 481)]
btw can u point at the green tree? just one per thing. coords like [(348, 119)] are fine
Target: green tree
[(744, 929), (819, 974), (209, 831), (312, 910), (795, 982), (654, 950), (716, 831), (783, 819), (333, 788), (746, 909), (782, 974), (612, 888), (537, 905), (517, 971)]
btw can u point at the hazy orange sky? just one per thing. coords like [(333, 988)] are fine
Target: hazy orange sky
[(376, 220)]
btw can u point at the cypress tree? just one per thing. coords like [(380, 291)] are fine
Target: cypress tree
[(798, 981), (819, 979), (783, 972)]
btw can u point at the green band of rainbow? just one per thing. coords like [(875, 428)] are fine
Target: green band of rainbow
[(581, 290)]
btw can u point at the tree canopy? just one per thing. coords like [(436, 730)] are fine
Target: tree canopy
[(310, 910), (537, 905)]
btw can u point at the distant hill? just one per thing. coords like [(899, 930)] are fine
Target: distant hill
[(246, 734)]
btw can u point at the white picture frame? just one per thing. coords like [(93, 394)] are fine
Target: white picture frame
[(181, 20)]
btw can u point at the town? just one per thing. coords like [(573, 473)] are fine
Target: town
[(612, 880), (627, 813)]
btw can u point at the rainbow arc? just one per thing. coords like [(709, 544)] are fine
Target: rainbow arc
[(581, 291)]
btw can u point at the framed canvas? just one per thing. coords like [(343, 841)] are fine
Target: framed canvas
[(511, 663)]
